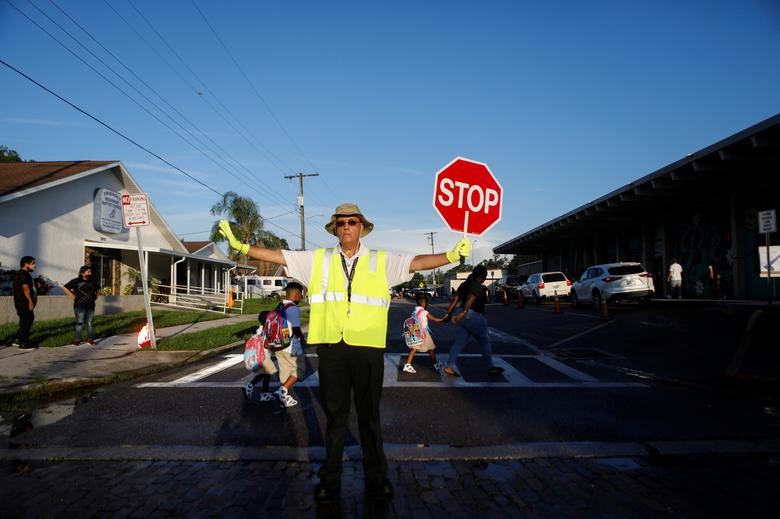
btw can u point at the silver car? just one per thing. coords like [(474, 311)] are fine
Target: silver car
[(612, 282)]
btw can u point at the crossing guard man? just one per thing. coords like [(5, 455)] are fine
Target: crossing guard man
[(349, 296)]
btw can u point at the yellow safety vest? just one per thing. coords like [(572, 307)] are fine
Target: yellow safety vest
[(363, 322)]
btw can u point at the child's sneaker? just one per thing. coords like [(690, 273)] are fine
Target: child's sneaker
[(249, 388), (284, 398), (409, 369), (266, 397)]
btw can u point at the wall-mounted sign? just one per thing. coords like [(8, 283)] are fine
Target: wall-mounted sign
[(107, 211)]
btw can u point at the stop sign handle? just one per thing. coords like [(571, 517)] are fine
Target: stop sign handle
[(465, 232)]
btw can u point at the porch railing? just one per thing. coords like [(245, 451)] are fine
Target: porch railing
[(196, 298)]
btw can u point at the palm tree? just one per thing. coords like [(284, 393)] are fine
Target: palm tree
[(244, 215), (245, 221)]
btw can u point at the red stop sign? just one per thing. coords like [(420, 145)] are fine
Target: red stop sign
[(467, 196)]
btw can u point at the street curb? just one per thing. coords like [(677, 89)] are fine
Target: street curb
[(400, 452), (52, 389)]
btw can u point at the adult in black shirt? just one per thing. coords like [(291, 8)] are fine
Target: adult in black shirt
[(84, 291), (471, 321), (25, 299)]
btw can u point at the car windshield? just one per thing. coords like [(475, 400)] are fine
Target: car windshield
[(513, 280), (624, 270), (554, 276)]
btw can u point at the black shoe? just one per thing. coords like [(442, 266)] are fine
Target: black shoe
[(495, 370), (324, 495), (28, 346), (379, 490)]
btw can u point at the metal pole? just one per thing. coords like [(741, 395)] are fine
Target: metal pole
[(768, 271), (300, 203), (147, 302)]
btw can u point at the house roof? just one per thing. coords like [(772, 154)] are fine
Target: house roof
[(194, 246), (16, 177)]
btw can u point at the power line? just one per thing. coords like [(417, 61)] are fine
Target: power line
[(150, 152), (136, 102), (205, 86), (265, 154), (235, 163), (252, 86)]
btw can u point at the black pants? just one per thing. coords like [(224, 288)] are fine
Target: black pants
[(26, 318), (345, 372)]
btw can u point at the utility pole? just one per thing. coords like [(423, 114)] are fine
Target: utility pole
[(300, 203), (430, 240)]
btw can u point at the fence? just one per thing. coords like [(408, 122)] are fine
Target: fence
[(196, 298)]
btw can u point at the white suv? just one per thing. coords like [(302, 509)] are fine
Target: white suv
[(544, 285), (612, 282)]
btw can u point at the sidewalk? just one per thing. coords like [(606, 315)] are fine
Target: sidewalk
[(49, 370)]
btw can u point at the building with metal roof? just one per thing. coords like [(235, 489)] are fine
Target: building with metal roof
[(701, 210)]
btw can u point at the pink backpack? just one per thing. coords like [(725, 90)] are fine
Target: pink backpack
[(254, 352), (413, 330)]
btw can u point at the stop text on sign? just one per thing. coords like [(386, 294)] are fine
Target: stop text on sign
[(477, 198)]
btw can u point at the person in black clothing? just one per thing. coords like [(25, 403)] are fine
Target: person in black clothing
[(84, 292), (25, 299), (471, 321)]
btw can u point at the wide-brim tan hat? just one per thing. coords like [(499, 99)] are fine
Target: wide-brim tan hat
[(348, 210)]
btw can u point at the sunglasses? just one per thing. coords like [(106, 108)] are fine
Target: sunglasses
[(351, 223)]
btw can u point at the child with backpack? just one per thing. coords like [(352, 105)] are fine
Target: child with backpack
[(417, 333), (264, 368), (281, 333)]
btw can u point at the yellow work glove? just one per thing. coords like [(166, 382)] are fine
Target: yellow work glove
[(461, 249), (224, 230)]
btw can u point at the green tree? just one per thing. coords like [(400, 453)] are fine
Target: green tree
[(245, 221), (244, 215), (9, 155)]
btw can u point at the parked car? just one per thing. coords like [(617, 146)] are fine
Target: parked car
[(544, 285), (512, 284), (612, 282)]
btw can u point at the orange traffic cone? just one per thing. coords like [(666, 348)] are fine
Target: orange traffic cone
[(556, 305), (506, 298), (520, 300), (604, 311)]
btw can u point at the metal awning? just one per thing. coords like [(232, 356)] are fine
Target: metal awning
[(746, 161)]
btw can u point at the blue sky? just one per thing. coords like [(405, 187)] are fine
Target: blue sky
[(564, 102)]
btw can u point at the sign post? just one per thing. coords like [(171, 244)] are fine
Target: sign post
[(467, 196), (135, 212), (767, 223)]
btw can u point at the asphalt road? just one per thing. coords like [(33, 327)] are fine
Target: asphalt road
[(649, 374)]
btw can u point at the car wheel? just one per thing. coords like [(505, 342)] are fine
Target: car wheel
[(275, 296), (574, 301), (596, 300), (537, 299)]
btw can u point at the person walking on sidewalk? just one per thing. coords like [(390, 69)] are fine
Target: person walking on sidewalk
[(471, 321), (423, 318), (84, 292), (25, 299), (349, 293), (675, 279)]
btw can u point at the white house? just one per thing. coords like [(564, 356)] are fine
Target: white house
[(68, 214)]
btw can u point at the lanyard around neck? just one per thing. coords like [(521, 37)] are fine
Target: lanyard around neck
[(350, 273)]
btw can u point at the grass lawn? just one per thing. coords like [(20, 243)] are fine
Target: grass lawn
[(59, 332)]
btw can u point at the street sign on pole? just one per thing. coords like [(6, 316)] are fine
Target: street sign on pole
[(135, 211), (467, 196), (767, 223)]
